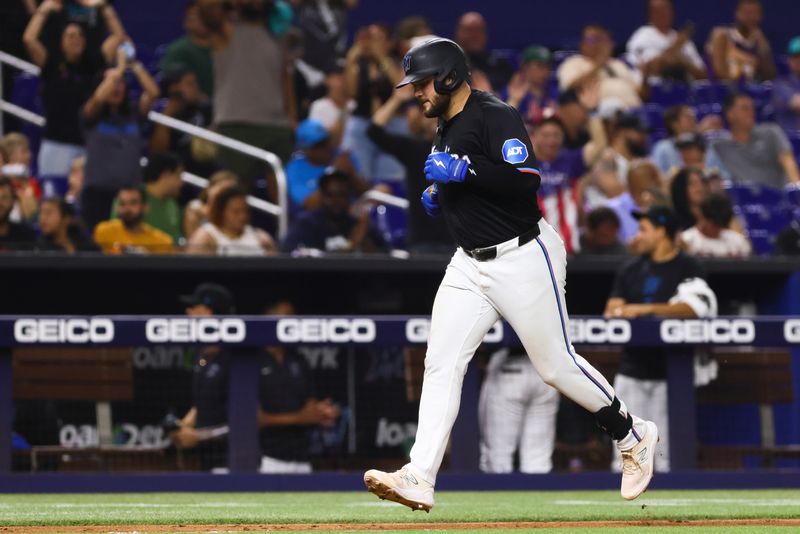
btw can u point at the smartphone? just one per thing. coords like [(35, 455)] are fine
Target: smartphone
[(129, 49)]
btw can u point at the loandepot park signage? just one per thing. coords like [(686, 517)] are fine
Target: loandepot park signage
[(258, 331)]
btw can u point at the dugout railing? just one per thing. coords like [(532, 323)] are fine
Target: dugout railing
[(256, 331)]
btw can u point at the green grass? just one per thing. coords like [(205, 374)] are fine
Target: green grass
[(360, 507), (611, 530)]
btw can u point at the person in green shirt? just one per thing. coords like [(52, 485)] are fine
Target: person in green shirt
[(162, 185), (192, 51)]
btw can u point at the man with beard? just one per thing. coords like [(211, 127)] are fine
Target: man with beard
[(128, 233), (510, 264), (610, 173), (331, 227), (13, 236)]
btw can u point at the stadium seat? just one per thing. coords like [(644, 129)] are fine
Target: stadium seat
[(393, 224), (742, 194), (710, 94), (654, 114), (53, 186), (761, 93), (670, 94), (764, 211)]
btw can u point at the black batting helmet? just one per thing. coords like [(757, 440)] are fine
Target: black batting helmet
[(438, 57)]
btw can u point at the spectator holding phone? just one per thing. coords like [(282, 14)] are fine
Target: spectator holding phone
[(741, 51), (68, 72), (660, 51), (113, 140), (185, 102)]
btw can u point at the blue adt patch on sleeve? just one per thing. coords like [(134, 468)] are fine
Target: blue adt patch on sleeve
[(514, 151)]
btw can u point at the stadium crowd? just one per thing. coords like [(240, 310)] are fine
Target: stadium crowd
[(712, 133)]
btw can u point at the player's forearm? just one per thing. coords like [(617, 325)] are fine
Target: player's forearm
[(698, 73), (30, 38), (384, 114), (147, 82), (598, 143), (279, 419), (678, 309), (113, 24)]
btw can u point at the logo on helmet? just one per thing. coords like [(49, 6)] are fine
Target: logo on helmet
[(514, 151), (406, 63)]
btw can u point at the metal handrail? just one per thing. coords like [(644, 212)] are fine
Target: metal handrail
[(254, 202), (386, 198), (244, 148), (22, 113), (280, 210), (21, 64)]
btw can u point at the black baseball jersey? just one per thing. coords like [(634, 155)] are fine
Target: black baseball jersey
[(497, 200), (642, 281), (285, 386), (210, 387)]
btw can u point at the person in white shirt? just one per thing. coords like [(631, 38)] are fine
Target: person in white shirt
[(335, 107), (712, 236), (661, 52), (617, 80), (228, 231)]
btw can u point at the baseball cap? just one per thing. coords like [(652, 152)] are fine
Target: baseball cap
[(570, 96), (688, 139), (794, 46), (214, 296), (536, 53), (611, 107), (660, 216), (172, 74), (632, 121), (310, 132)]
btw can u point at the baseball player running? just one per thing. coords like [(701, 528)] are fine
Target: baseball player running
[(509, 263)]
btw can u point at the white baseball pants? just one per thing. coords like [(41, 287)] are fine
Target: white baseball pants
[(525, 286), (517, 410)]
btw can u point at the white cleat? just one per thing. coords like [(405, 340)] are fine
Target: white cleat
[(638, 463), (401, 487)]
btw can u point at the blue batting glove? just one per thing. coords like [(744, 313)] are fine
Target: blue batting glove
[(430, 201), (442, 167)]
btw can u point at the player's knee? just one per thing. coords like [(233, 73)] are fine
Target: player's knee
[(437, 363), (550, 376)]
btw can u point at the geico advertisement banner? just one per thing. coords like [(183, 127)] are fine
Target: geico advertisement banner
[(258, 331)]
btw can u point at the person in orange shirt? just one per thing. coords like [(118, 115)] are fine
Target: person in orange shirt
[(128, 233)]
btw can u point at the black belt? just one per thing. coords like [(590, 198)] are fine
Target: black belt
[(490, 253)]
